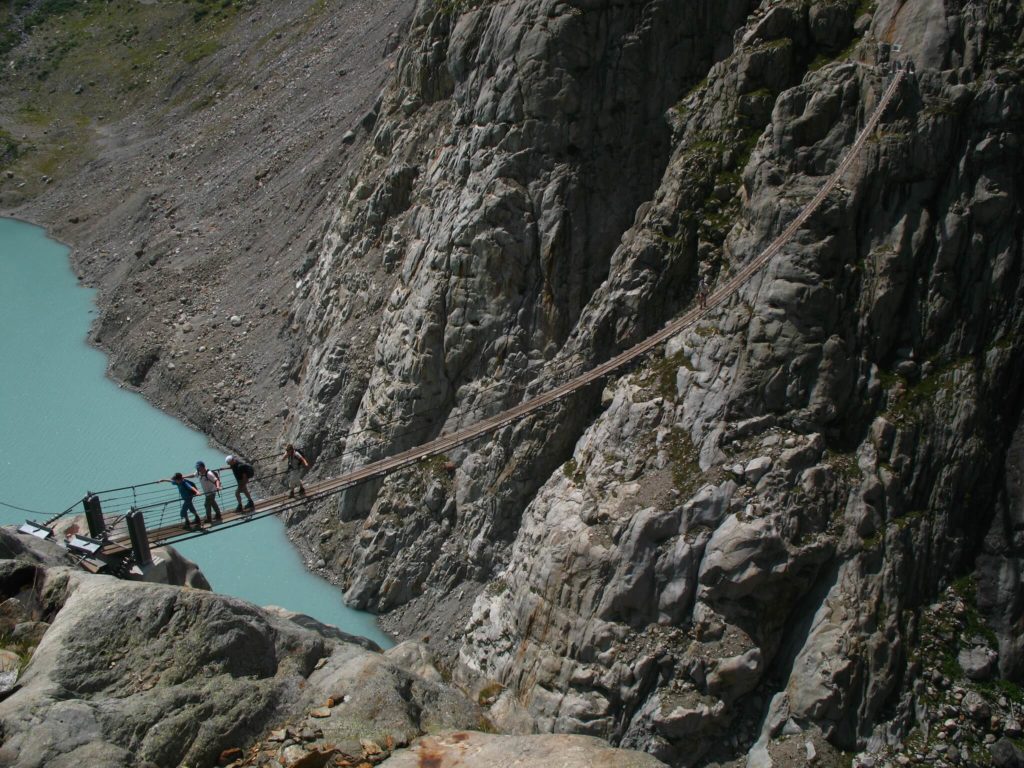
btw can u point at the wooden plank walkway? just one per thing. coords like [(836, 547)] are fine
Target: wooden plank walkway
[(318, 490)]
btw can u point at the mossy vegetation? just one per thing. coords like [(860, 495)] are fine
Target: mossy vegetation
[(911, 403), (967, 590), (489, 694), (71, 65), (21, 648), (823, 59), (945, 628), (660, 374), (573, 471), (440, 468), (846, 466), (706, 154), (683, 461)]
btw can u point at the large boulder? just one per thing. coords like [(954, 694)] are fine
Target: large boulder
[(464, 749), (129, 673)]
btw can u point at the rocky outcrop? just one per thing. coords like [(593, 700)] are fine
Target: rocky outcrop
[(110, 673), (131, 674)]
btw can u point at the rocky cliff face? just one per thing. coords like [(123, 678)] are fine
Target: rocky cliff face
[(507, 217), (735, 542), (729, 554)]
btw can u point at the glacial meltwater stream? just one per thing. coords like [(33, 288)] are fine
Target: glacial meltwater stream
[(65, 428)]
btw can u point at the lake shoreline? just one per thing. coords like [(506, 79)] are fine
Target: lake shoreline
[(90, 336), (213, 445)]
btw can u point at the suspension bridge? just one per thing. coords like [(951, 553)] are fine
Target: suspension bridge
[(124, 523)]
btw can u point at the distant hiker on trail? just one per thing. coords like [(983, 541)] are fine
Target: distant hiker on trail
[(702, 291), (243, 472), (187, 489), (210, 482), (295, 461)]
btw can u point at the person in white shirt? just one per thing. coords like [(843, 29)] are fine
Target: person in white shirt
[(209, 481)]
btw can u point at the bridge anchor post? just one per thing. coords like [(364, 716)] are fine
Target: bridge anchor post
[(139, 537), (94, 514)]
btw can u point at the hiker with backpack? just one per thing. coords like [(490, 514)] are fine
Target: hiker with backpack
[(187, 490), (243, 472), (295, 461), (209, 480)]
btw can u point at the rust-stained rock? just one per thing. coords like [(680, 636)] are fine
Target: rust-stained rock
[(370, 747), (315, 759)]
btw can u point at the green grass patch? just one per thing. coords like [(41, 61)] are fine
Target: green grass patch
[(974, 623), (846, 466), (77, 63), (34, 115), (775, 45), (440, 468), (1000, 687), (47, 8), (19, 647), (845, 54), (496, 587), (489, 694), (203, 9)]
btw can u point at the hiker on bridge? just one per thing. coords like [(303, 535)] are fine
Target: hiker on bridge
[(187, 490), (243, 472), (295, 462), (210, 482)]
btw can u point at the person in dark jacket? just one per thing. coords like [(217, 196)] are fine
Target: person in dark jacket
[(243, 472)]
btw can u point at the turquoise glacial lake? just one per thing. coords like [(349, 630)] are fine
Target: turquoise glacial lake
[(66, 428)]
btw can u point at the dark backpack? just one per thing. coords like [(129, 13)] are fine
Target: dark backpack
[(192, 485), (248, 471)]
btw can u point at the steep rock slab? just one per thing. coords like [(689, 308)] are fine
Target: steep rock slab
[(132, 673), (511, 152), (862, 364)]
